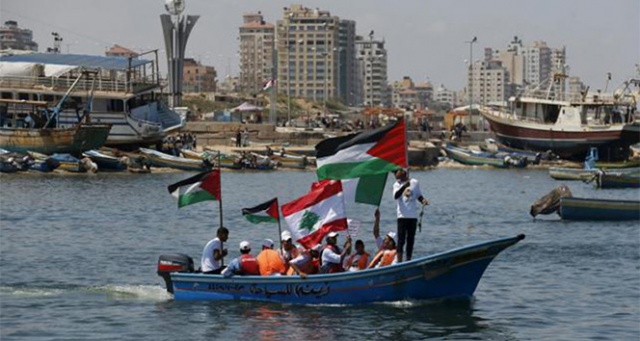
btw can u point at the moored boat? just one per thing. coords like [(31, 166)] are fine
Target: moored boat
[(125, 93), (446, 275), (567, 125), (105, 161), (617, 180), (572, 208), (468, 157), (563, 173), (159, 159)]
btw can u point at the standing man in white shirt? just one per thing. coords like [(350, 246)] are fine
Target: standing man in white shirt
[(407, 194), (214, 252)]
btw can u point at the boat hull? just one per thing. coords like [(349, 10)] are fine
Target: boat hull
[(470, 159), (598, 209), (73, 140), (159, 159), (618, 180), (451, 274)]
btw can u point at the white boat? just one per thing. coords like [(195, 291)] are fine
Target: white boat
[(123, 92)]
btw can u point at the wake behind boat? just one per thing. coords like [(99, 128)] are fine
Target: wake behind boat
[(447, 275)]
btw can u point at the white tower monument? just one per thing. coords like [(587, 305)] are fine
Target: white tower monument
[(176, 28)]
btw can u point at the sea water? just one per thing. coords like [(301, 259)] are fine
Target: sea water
[(78, 260)]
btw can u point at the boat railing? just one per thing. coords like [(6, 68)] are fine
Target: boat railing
[(62, 84)]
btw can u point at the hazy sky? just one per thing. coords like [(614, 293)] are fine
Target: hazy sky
[(425, 39)]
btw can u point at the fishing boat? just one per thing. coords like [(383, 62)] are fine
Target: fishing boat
[(572, 208), (159, 159), (452, 274), (125, 94), (287, 161), (567, 124), (472, 158), (105, 161), (617, 180), (27, 125), (560, 200), (564, 173)]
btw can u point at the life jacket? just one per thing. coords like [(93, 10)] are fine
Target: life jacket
[(286, 258), (310, 267), (269, 263), (249, 265), (388, 257), (362, 261), (331, 267)]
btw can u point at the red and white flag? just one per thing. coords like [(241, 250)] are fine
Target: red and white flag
[(317, 213)]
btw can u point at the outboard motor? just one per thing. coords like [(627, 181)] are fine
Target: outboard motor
[(177, 262)]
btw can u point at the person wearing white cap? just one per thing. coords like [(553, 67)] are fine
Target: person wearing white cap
[(269, 262), (246, 264), (387, 255), (307, 263), (406, 193), (332, 256), (288, 250)]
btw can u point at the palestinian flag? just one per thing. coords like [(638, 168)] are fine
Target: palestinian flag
[(372, 152), (364, 190), (268, 84), (201, 187), (264, 213), (317, 213)]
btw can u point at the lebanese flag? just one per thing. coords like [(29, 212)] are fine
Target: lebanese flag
[(266, 212), (268, 84), (317, 213), (372, 152), (201, 187)]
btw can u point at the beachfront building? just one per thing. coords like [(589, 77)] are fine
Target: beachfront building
[(197, 77), (406, 94), (121, 51), (308, 51), (256, 52), (576, 89), (348, 90), (372, 70), (489, 81), (445, 96), (16, 38)]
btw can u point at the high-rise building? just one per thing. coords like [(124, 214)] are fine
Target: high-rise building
[(256, 52), (308, 53), (197, 77), (16, 38), (489, 81), (372, 69), (577, 89), (348, 89)]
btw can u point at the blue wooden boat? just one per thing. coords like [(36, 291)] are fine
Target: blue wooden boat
[(159, 159), (447, 275), (617, 180), (572, 208)]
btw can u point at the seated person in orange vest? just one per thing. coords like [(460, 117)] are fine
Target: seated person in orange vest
[(359, 260), (288, 250), (332, 256), (246, 264), (386, 256), (269, 262), (307, 263)]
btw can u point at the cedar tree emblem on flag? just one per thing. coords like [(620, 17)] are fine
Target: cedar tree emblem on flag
[(317, 213)]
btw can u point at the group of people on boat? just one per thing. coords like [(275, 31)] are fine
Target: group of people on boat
[(328, 257)]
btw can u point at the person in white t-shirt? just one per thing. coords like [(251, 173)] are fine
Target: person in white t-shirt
[(214, 252), (407, 194)]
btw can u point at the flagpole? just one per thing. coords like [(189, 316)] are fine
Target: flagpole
[(220, 206)]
